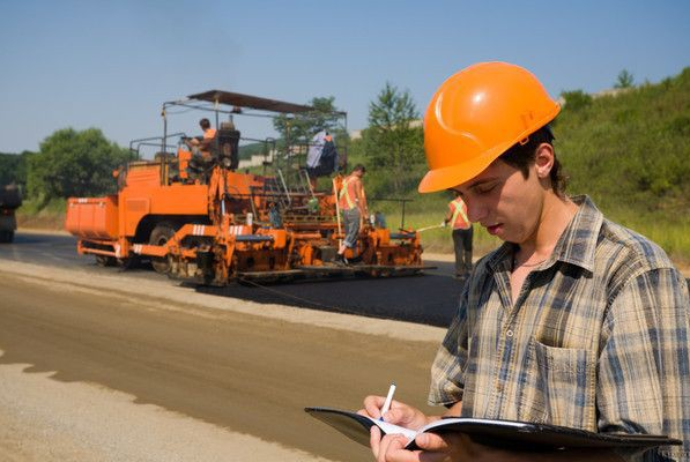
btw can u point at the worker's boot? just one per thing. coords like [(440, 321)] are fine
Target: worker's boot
[(341, 259)]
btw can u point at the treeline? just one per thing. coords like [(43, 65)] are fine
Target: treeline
[(13, 168), (391, 147), (69, 163)]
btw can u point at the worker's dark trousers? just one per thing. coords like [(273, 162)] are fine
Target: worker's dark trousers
[(462, 241)]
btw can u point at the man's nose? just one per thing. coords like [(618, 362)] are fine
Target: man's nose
[(475, 210)]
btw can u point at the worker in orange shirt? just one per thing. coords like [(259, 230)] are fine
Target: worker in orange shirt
[(353, 205), (203, 145), (462, 235)]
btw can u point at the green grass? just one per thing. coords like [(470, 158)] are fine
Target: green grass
[(629, 152), (36, 215), (672, 233), (430, 210)]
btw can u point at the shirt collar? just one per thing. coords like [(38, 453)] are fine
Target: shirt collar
[(576, 245)]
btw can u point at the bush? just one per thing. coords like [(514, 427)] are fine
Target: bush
[(72, 163)]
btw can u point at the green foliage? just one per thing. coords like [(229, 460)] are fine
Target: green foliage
[(13, 168), (625, 80), (248, 150), (576, 100), (631, 150), (300, 128), (73, 163), (383, 180), (391, 141), (54, 207)]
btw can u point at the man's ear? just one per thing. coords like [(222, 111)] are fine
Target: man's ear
[(543, 160)]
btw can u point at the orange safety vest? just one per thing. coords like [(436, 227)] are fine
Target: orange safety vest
[(209, 133), (459, 209), (347, 197)]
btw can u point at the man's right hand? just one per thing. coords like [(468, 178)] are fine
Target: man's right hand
[(399, 413)]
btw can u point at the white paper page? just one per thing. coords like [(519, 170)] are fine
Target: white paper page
[(392, 429)]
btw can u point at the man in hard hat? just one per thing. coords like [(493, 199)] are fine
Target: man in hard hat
[(456, 215), (573, 321)]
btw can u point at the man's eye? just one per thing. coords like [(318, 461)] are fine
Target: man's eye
[(484, 189)]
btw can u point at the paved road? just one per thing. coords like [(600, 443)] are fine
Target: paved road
[(427, 299)]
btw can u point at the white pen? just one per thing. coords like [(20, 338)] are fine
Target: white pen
[(389, 400)]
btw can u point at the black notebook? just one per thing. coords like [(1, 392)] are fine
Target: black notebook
[(497, 433)]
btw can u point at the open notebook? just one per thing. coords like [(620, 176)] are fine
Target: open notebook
[(502, 433)]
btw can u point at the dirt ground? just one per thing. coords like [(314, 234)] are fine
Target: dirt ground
[(94, 368)]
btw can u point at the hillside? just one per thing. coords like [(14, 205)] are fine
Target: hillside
[(631, 150)]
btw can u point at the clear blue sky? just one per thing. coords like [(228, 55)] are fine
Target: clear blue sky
[(111, 65)]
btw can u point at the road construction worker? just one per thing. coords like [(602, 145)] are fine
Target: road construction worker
[(462, 235), (353, 206), (322, 157), (203, 145), (574, 321)]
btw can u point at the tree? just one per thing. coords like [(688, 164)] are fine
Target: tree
[(72, 163), (303, 126), (391, 139), (576, 100), (13, 168), (625, 80)]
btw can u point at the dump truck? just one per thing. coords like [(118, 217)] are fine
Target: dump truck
[(10, 200), (203, 221)]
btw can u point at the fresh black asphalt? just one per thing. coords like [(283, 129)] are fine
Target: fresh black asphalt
[(429, 299)]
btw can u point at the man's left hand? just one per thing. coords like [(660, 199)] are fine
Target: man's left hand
[(432, 448), (450, 447), (453, 447)]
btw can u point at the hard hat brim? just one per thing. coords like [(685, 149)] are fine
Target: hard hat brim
[(440, 179)]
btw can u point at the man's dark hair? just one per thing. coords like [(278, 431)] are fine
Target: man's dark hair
[(521, 156), (359, 167), (205, 123)]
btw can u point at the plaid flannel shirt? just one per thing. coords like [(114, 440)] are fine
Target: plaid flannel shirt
[(597, 339)]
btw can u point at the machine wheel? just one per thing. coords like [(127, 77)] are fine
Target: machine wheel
[(127, 263), (160, 235), (6, 236), (104, 260)]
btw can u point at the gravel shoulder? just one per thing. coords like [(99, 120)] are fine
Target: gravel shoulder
[(48, 420)]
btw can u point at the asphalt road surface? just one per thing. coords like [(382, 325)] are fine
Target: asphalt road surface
[(426, 299)]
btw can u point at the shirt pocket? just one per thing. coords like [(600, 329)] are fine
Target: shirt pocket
[(560, 388)]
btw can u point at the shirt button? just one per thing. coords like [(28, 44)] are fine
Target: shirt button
[(499, 388), (509, 333)]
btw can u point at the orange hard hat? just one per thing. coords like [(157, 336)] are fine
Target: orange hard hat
[(477, 115)]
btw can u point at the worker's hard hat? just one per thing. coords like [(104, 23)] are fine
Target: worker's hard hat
[(477, 115)]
